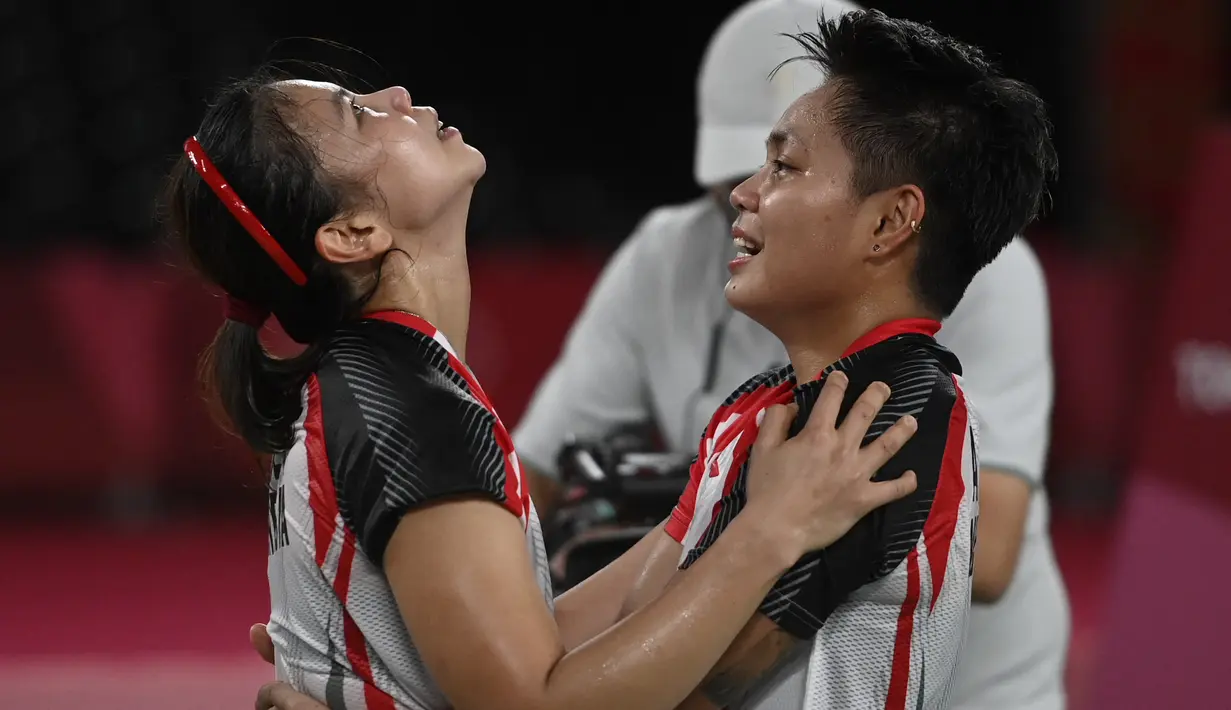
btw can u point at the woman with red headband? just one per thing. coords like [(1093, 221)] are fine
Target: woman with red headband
[(406, 562)]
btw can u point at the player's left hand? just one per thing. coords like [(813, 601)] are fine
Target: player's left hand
[(280, 696), (258, 636)]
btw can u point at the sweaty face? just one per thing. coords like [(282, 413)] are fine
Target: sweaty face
[(413, 164), (798, 221)]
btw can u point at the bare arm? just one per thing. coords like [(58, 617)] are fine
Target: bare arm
[(460, 572), (755, 659), (1004, 502), (596, 604), (486, 648), (470, 601), (756, 656)]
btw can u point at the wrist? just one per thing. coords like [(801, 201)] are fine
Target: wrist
[(777, 543)]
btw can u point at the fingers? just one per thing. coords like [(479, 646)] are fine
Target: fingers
[(265, 696), (863, 412), (885, 492), (887, 445), (775, 425), (280, 696), (258, 637), (824, 415)]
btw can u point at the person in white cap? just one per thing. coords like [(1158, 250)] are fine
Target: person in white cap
[(658, 341), (886, 189), (658, 320)]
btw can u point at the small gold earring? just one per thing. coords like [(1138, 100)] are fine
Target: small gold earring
[(876, 247), (914, 226)]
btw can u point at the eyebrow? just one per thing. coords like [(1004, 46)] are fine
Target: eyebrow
[(777, 138)]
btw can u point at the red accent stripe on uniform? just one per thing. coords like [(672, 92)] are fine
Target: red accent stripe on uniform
[(752, 404), (899, 679), (681, 515), (323, 499), (516, 492), (885, 331), (938, 531), (356, 644), (321, 496), (941, 525)]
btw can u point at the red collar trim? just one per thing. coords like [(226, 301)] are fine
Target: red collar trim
[(885, 331), (403, 318)]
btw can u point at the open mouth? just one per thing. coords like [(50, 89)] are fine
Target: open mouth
[(744, 247)]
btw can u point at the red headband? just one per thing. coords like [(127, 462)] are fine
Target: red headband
[(243, 215)]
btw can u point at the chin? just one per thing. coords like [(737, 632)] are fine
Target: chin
[(743, 296), (476, 164)]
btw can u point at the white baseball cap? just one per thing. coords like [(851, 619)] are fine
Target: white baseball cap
[(737, 102)]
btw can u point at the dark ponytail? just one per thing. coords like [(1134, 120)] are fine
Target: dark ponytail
[(257, 393), (246, 134)]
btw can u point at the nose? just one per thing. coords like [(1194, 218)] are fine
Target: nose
[(745, 196), (396, 98)]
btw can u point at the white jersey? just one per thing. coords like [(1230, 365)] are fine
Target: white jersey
[(884, 607), (657, 342), (391, 420)]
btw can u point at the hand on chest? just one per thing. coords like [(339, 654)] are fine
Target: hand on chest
[(722, 489)]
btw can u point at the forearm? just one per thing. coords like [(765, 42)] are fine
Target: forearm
[(587, 610), (596, 604), (1004, 505), (756, 658), (658, 655)]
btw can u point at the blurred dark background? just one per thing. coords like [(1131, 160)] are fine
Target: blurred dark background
[(133, 527), (584, 111)]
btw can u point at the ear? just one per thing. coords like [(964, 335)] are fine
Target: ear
[(899, 217), (356, 238)]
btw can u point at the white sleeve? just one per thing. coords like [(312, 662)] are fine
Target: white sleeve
[(599, 381), (1001, 332)]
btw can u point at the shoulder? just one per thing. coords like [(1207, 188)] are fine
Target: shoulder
[(399, 428), (924, 376), (390, 391), (921, 375), (769, 378), (388, 366), (737, 403)]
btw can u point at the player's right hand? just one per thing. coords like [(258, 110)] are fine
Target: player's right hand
[(815, 486)]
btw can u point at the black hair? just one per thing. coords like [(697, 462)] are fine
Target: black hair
[(911, 105), (247, 134)]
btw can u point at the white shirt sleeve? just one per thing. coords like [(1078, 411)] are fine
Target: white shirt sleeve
[(1001, 332), (599, 381)]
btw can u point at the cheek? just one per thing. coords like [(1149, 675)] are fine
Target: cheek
[(806, 223), (412, 181)]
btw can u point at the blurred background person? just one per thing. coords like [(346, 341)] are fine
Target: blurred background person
[(658, 344), (585, 132)]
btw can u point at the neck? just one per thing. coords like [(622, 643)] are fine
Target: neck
[(815, 340), (432, 280)]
